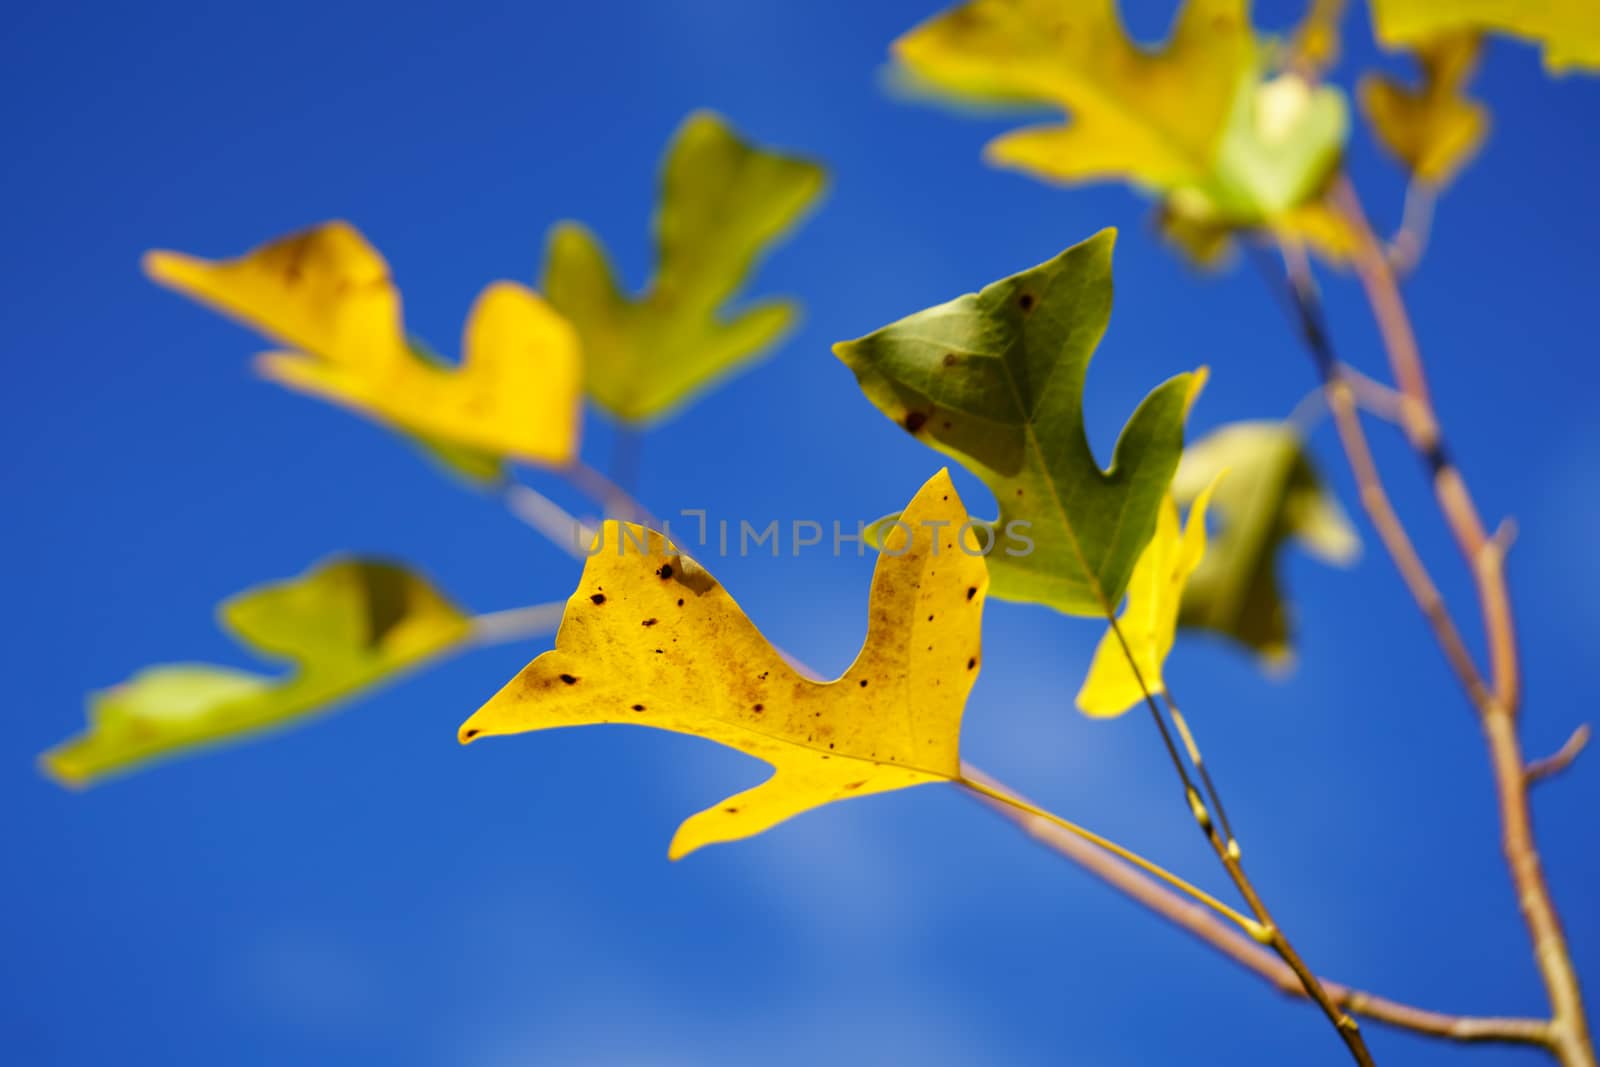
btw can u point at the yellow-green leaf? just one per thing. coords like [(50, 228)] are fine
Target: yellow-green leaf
[(1436, 128), (344, 626), (1569, 30), (1200, 123), (1151, 118), (327, 294), (995, 381), (1149, 620), (1271, 496), (651, 639), (724, 202)]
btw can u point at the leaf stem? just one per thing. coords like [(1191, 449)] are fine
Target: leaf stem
[(994, 791)]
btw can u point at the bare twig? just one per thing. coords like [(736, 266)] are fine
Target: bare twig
[(517, 624), (1485, 555), (1199, 923), (1560, 759)]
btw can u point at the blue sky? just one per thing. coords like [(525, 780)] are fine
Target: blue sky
[(365, 891)]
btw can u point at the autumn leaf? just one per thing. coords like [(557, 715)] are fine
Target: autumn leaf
[(1272, 496), (1436, 128), (1569, 30), (995, 381), (724, 202), (1149, 620), (344, 626), (327, 294), (1201, 123), (651, 639)]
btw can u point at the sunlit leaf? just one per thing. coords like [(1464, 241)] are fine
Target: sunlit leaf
[(651, 639), (344, 626), (327, 294), (1149, 620), (1436, 128), (995, 381), (1271, 496), (724, 202), (1200, 123), (1569, 30)]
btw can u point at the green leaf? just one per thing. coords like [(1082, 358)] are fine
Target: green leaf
[(995, 381), (723, 202), (1282, 140), (1272, 496), (345, 626)]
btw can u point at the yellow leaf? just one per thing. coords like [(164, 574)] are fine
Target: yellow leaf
[(1149, 620), (326, 294), (651, 639), (724, 201), (1152, 118), (346, 625), (1568, 29), (1436, 128)]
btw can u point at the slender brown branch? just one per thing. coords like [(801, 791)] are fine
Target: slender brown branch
[(1229, 942), (1485, 555), (1560, 759), (1496, 699)]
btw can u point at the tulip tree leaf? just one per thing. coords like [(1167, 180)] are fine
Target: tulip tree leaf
[(1569, 30), (995, 381), (651, 639), (1149, 620), (345, 626), (1271, 496), (724, 201), (1198, 123), (327, 294), (1434, 129)]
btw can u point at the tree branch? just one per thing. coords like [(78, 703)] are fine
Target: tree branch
[(1202, 925)]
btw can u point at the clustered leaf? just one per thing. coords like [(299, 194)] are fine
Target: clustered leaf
[(327, 294), (1569, 30), (1127, 667), (724, 201), (995, 381), (344, 626), (650, 638), (1272, 496), (1436, 128), (1200, 123)]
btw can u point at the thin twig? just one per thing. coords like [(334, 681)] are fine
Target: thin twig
[(1496, 698), (1247, 953), (1560, 759), (553, 522), (517, 624)]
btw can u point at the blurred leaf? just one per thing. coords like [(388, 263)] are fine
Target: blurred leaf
[(1149, 620), (650, 638), (327, 294), (1197, 123), (723, 202), (995, 381), (1271, 496), (1434, 129), (345, 626), (1569, 30)]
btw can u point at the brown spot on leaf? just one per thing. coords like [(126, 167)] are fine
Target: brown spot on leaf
[(648, 622), (759, 708), (665, 571), (951, 359), (972, 591), (638, 707), (569, 679), (598, 598), (971, 663), (470, 734), (1026, 302), (914, 421), (855, 785)]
